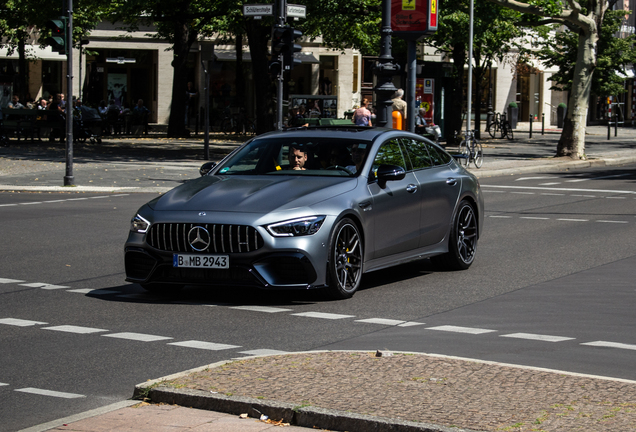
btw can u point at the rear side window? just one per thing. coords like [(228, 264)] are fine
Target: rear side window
[(418, 153), (439, 156)]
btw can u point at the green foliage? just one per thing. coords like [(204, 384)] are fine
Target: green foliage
[(614, 54), (513, 104)]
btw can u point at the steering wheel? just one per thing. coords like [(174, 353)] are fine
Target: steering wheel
[(339, 167)]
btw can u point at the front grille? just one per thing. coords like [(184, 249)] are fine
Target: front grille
[(173, 237)]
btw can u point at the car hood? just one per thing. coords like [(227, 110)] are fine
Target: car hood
[(252, 194)]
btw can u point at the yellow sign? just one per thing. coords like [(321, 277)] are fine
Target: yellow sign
[(433, 6), (408, 4)]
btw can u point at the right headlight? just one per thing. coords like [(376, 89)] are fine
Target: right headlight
[(296, 227)]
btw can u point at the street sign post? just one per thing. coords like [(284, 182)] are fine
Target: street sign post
[(296, 11), (257, 10)]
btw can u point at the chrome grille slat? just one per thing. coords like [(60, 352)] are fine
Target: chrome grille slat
[(173, 237)]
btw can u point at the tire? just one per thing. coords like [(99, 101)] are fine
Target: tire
[(492, 129), (157, 288), (344, 266), (509, 134), (464, 150), (462, 243), (479, 155)]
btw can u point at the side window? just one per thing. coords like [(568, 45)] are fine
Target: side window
[(418, 153), (390, 153), (440, 157)]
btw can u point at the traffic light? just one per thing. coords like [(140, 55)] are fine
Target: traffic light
[(278, 46), (289, 37), (57, 40)]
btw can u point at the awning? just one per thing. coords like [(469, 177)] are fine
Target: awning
[(230, 55)]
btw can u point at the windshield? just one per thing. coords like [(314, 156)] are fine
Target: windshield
[(297, 156)]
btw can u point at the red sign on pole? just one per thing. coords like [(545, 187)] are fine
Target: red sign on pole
[(414, 17)]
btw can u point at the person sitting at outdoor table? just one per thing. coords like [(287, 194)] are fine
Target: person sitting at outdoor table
[(15, 103), (422, 126), (56, 113)]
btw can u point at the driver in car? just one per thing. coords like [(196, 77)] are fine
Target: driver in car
[(297, 158)]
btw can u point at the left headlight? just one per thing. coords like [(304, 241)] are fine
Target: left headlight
[(139, 224), (296, 227)]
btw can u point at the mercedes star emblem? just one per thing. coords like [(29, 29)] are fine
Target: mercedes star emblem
[(199, 238)]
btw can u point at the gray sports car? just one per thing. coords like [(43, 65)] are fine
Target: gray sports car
[(309, 208)]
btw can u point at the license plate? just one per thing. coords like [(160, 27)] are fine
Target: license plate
[(201, 261)]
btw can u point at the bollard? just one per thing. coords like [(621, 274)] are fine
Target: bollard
[(530, 126), (542, 123), (609, 128), (616, 124)]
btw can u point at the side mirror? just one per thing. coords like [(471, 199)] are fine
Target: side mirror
[(206, 168), (387, 173)]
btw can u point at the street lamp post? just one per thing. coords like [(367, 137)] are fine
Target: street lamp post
[(385, 69), (69, 179)]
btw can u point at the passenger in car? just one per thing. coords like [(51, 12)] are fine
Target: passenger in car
[(357, 155)]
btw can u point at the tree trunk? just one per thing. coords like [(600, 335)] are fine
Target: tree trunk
[(24, 72), (258, 36), (572, 141), (184, 36), (456, 96)]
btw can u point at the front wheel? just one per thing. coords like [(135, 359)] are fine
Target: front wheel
[(509, 134), (462, 243), (344, 267), (479, 155), (492, 129)]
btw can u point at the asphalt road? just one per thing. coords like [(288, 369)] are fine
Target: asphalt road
[(551, 287)]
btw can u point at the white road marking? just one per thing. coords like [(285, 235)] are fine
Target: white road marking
[(43, 285), (535, 178), (573, 220), (616, 197), (204, 345), (410, 324), (93, 291), (6, 281), (584, 196), (561, 189), (20, 322), (538, 337), (50, 393), (77, 199), (549, 184), (523, 193), (611, 221), (552, 194), (456, 329), (611, 345), (263, 352), (8, 205), (382, 321), (31, 203), (266, 309), (75, 329), (137, 336), (323, 315), (501, 217), (534, 218), (4, 384)]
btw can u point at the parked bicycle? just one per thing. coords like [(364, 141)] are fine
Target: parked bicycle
[(500, 126), (471, 150)]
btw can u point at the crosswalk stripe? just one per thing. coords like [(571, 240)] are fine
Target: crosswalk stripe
[(75, 329), (382, 321), (538, 337), (6, 281), (50, 393), (42, 285), (457, 329), (323, 315), (410, 324), (266, 309), (204, 345), (20, 322), (610, 345), (3, 384), (136, 336)]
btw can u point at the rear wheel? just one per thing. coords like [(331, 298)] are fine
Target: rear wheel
[(492, 129), (464, 149), (344, 268), (462, 243), (479, 155), (509, 133)]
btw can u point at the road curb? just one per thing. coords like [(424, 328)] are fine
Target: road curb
[(309, 417)]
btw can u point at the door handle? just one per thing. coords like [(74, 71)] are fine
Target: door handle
[(451, 181), (411, 188)]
